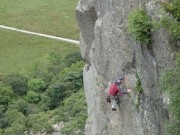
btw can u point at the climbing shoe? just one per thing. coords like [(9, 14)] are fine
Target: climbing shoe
[(114, 109)]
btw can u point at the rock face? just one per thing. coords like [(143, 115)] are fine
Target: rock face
[(110, 51)]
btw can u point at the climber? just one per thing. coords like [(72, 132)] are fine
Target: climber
[(115, 90)]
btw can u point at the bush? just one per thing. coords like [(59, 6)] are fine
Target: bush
[(16, 123), (139, 25), (170, 84), (172, 26), (138, 87), (20, 105), (32, 97), (74, 113), (55, 63), (32, 109), (45, 102), (18, 82), (75, 68), (43, 74), (75, 79), (3, 120), (15, 117), (39, 122), (55, 58), (173, 128), (56, 94), (15, 129), (72, 58), (174, 8), (1, 131), (37, 85), (6, 95)]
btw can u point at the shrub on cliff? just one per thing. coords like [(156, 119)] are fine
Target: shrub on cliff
[(170, 84), (139, 26)]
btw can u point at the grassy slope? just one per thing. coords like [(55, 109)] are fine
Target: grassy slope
[(54, 17), (18, 52)]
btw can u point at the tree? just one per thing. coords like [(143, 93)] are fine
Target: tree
[(74, 114), (75, 78), (45, 102), (72, 58), (6, 95), (56, 93), (37, 85), (17, 122), (3, 120), (32, 97), (18, 82), (19, 105)]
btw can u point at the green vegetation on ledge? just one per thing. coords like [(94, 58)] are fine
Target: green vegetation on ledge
[(170, 84), (139, 25)]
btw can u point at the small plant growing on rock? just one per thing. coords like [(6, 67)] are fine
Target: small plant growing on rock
[(173, 6), (139, 25), (172, 24)]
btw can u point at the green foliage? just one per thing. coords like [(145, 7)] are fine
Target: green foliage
[(170, 84), (75, 126), (56, 93), (32, 97), (20, 105), (39, 122), (172, 26), (75, 79), (18, 82), (32, 109), (173, 128), (139, 25), (15, 117), (45, 102), (72, 58), (39, 73), (37, 85), (138, 87), (18, 116), (55, 63), (69, 80), (75, 68), (17, 122), (73, 113), (174, 8), (6, 95), (3, 120), (15, 129), (55, 58), (1, 131)]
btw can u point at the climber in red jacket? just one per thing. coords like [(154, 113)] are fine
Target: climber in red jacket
[(115, 90)]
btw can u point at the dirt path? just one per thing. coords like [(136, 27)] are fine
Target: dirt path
[(42, 35)]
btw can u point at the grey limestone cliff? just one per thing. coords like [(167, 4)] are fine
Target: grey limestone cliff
[(110, 51)]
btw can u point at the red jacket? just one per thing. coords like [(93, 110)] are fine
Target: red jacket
[(113, 90)]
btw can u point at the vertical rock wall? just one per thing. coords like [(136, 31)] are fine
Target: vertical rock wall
[(109, 52)]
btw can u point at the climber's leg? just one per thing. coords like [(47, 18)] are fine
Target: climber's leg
[(114, 100)]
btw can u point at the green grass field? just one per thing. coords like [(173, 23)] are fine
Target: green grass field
[(53, 17), (18, 52)]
